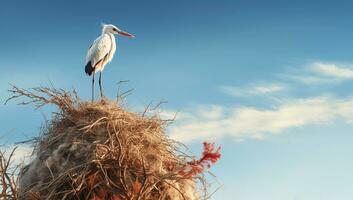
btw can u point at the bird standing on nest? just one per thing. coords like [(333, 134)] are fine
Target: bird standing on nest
[(101, 52)]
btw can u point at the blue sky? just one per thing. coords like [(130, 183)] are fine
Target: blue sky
[(270, 81)]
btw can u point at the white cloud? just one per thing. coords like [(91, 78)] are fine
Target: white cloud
[(252, 90), (210, 112), (250, 122), (268, 89), (318, 73), (340, 72), (217, 121), (309, 79)]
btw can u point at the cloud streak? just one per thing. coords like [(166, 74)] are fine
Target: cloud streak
[(319, 73), (340, 72), (251, 122), (242, 122), (263, 89)]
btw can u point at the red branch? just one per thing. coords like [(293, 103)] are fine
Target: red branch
[(209, 157)]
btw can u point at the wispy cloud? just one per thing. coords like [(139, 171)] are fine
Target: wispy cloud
[(308, 79), (333, 70), (241, 122), (252, 90), (252, 122), (320, 73), (268, 89)]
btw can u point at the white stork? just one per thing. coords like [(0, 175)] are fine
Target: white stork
[(101, 52)]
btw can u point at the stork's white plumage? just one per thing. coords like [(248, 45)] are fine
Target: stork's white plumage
[(101, 52)]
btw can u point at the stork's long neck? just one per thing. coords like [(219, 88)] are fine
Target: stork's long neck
[(105, 30), (113, 46), (112, 37)]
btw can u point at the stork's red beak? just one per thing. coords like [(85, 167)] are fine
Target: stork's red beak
[(126, 34)]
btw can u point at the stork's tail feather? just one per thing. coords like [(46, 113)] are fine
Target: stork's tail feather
[(89, 69)]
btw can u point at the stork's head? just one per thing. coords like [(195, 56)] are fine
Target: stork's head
[(110, 28)]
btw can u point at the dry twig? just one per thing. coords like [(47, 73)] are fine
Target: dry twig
[(8, 184)]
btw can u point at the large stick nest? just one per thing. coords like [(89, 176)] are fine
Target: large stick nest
[(98, 150)]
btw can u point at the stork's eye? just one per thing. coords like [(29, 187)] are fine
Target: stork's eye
[(114, 29)]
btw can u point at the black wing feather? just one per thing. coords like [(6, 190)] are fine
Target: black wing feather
[(89, 68)]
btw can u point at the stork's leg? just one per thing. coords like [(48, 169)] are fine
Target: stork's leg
[(100, 84), (93, 87)]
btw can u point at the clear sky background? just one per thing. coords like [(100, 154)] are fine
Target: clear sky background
[(269, 81)]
